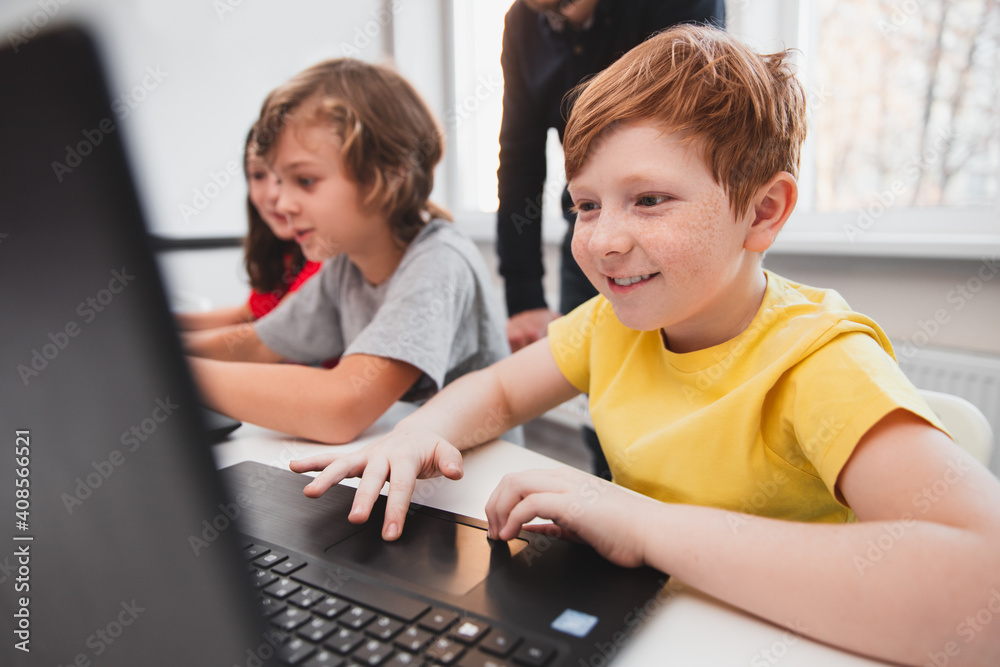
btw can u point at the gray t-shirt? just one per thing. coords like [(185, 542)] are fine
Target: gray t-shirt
[(438, 312)]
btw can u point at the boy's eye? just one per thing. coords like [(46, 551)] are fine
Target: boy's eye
[(258, 175), (651, 200), (306, 182), (584, 206)]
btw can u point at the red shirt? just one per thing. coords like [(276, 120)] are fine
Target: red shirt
[(262, 303)]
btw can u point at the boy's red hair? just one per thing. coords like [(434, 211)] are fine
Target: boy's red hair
[(745, 110)]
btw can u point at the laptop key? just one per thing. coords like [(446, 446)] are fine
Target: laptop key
[(317, 630), (295, 652), (533, 654), (282, 588), (499, 643), (269, 559), (255, 551), (373, 652), (438, 620), (445, 651), (324, 659), (330, 607), (306, 597), (380, 599), (384, 628), (478, 659), (356, 617), (262, 578), (290, 619), (269, 606), (286, 567), (469, 631), (344, 641), (414, 639), (403, 659)]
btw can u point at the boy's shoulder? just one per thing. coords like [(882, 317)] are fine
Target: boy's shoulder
[(440, 241)]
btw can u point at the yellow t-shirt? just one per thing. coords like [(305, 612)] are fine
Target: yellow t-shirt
[(761, 424)]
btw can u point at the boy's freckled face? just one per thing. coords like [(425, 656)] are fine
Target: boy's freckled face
[(656, 235), (322, 205)]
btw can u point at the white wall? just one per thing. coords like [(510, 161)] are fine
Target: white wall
[(194, 73)]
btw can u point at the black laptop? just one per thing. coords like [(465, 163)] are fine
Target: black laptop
[(123, 545)]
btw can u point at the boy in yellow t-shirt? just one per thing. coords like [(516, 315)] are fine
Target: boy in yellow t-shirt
[(766, 428)]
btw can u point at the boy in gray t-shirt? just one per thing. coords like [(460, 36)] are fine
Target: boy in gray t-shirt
[(437, 312), (404, 300)]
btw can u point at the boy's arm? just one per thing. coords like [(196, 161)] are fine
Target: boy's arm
[(238, 342), (213, 319), (474, 409), (904, 583), (332, 406)]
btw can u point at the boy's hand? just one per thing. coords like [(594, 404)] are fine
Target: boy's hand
[(603, 514), (400, 458), (526, 327)]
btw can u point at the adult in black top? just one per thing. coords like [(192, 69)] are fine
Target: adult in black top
[(548, 47)]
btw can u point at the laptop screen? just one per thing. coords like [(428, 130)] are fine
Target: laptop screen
[(118, 550)]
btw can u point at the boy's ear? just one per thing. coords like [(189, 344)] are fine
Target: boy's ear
[(770, 208)]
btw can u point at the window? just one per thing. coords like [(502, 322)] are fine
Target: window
[(903, 154)]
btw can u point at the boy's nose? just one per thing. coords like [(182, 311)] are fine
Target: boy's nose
[(283, 203), (609, 236)]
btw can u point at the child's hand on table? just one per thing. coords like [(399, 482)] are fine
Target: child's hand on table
[(606, 516), (401, 458)]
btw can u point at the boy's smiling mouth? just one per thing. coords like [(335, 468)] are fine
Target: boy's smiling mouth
[(629, 282)]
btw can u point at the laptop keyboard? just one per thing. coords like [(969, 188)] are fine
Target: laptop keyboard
[(321, 620)]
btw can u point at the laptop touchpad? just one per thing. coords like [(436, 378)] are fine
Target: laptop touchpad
[(444, 555)]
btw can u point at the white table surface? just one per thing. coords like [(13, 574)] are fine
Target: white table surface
[(687, 628)]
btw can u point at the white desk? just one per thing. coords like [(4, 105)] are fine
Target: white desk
[(688, 628)]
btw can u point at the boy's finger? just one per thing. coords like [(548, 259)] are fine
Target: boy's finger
[(338, 470), (501, 501), (532, 506), (372, 480), (402, 480), (512, 489), (448, 460), (311, 463)]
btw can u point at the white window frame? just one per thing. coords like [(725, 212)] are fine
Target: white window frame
[(767, 25)]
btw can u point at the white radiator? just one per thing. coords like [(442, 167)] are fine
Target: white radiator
[(974, 377)]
